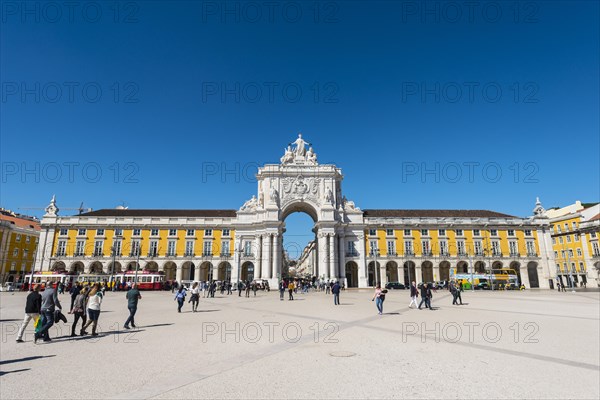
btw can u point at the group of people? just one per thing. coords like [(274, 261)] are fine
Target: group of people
[(86, 302)]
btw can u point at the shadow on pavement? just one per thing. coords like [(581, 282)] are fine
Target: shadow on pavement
[(2, 362), (2, 373)]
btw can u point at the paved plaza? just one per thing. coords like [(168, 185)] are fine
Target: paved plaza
[(532, 344)]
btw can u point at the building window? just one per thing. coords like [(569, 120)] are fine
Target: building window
[(171, 248), (135, 248), (137, 232), (225, 247), (496, 248), (476, 232), (511, 232), (225, 232), (553, 240), (530, 248), (408, 248), (208, 232), (574, 225), (190, 232), (118, 232), (62, 246), (565, 267), (79, 247), (352, 249), (373, 246), (478, 251), (424, 232), (573, 267), (81, 232), (560, 239), (15, 252), (407, 232), (441, 232), (581, 266), (248, 248), (558, 229), (568, 238), (189, 248), (459, 232), (372, 232), (512, 246), (100, 232), (153, 251), (555, 254), (460, 246), (578, 252), (425, 246), (552, 229), (570, 253), (593, 234), (566, 227), (576, 236), (391, 248), (562, 253), (27, 238), (389, 232), (98, 248), (596, 249), (64, 231), (153, 232), (493, 232), (527, 232), (443, 248), (116, 249), (172, 232)]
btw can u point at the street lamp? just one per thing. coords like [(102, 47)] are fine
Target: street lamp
[(114, 254), (375, 252)]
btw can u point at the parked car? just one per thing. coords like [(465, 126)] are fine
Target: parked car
[(7, 287), (482, 286), (395, 285)]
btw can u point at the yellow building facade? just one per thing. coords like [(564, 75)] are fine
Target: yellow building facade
[(19, 236)]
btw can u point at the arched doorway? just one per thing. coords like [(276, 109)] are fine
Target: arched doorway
[(188, 271), (58, 266), (533, 274), (224, 271), (206, 271), (77, 267), (497, 265), (352, 274), (479, 267), (247, 271), (391, 271), (133, 265), (427, 271), (170, 269), (96, 267), (113, 268), (151, 266), (516, 266), (374, 276), (444, 268), (462, 267), (299, 245), (409, 272)]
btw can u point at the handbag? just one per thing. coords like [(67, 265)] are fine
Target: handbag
[(37, 324)]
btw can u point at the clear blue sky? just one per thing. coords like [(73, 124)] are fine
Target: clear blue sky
[(382, 89)]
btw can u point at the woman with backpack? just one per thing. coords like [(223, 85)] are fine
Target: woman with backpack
[(180, 297), (79, 310), (93, 308)]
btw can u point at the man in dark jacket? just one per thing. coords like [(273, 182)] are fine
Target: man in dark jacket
[(74, 292), (336, 293), (425, 296), (32, 310), (49, 304)]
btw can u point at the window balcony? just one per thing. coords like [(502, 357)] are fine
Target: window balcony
[(152, 254), (247, 255), (352, 254), (391, 254), (427, 253), (171, 254), (531, 254), (188, 254), (409, 253), (225, 254)]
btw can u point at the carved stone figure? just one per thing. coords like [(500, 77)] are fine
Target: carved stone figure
[(52, 209), (300, 149), (329, 196), (250, 205), (288, 156), (274, 196), (311, 156)]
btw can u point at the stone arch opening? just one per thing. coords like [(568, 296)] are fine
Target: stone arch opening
[(170, 269), (114, 268), (516, 266), (151, 266), (480, 267), (374, 273), (299, 243), (352, 274), (77, 267), (96, 267), (206, 271), (391, 271), (444, 268), (462, 267), (224, 271), (497, 265), (247, 271), (427, 271), (409, 272), (58, 266), (532, 272), (188, 271)]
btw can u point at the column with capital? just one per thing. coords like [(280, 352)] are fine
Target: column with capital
[(276, 255), (258, 257), (322, 256), (267, 255), (341, 259), (332, 256)]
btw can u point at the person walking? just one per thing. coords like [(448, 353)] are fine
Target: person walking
[(180, 297), (254, 288), (49, 304), (454, 290), (195, 297), (327, 288), (458, 294), (425, 296), (379, 297), (79, 310), (74, 292), (291, 290), (281, 290), (248, 288), (33, 306), (93, 308), (239, 287), (132, 296), (229, 288), (414, 294), (336, 293)]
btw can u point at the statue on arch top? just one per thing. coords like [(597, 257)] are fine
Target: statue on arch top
[(300, 149)]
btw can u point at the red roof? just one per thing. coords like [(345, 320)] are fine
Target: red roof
[(21, 222)]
